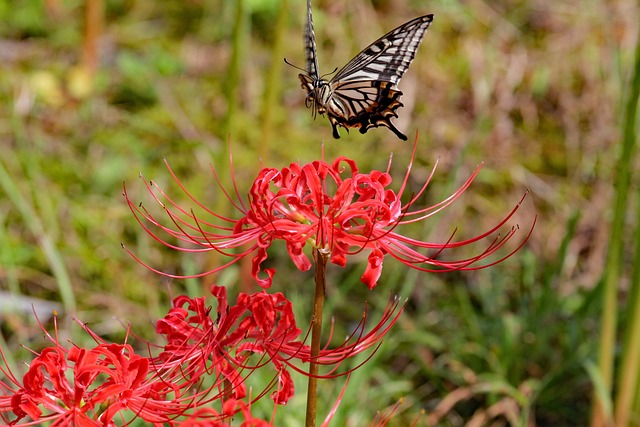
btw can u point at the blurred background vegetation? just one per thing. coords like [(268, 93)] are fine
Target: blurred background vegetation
[(93, 93)]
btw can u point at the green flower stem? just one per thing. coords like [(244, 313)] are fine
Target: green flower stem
[(321, 258)]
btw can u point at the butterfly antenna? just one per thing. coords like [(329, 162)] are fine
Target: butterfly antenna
[(295, 66), (328, 74)]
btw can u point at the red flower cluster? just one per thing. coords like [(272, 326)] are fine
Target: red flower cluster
[(106, 380), (110, 384), (330, 206)]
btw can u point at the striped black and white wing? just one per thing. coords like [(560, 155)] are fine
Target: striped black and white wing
[(389, 57), (310, 46), (364, 105)]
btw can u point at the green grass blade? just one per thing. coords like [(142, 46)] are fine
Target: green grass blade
[(272, 82), (600, 390), (614, 259), (628, 376), (234, 71), (33, 222)]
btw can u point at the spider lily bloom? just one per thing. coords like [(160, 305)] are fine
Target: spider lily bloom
[(259, 323), (201, 341), (328, 206), (110, 379), (107, 385), (105, 380)]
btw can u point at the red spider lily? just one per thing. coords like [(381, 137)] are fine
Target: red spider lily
[(258, 323), (105, 380), (330, 206), (110, 385)]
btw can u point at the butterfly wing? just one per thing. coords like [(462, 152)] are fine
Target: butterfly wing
[(364, 105), (310, 46), (389, 57)]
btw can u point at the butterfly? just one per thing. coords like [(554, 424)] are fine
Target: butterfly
[(363, 94)]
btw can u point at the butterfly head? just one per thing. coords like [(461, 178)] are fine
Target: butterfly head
[(318, 94)]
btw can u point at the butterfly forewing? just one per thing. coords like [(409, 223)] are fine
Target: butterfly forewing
[(310, 45), (389, 57)]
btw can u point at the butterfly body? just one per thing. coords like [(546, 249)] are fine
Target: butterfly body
[(364, 93)]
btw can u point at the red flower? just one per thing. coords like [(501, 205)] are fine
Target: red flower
[(330, 206), (110, 384), (206, 359), (258, 323), (105, 380)]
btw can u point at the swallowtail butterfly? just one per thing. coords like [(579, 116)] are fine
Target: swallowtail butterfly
[(364, 93)]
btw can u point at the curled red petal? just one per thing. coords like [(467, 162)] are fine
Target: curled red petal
[(285, 388), (374, 268), (255, 269), (298, 257)]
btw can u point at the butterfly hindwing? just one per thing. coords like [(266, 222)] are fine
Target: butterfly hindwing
[(364, 105)]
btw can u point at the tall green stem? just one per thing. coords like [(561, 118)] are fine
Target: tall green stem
[(614, 261), (321, 257), (629, 374)]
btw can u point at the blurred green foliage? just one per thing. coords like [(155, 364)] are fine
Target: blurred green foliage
[(532, 89)]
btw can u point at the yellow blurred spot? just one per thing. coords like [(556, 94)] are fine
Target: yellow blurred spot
[(47, 88), (80, 82)]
